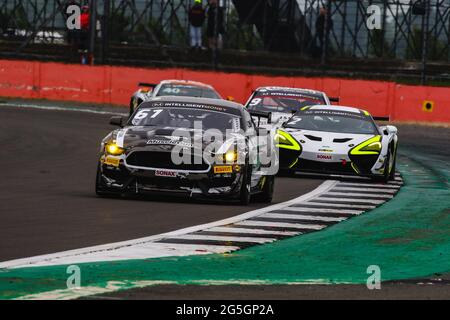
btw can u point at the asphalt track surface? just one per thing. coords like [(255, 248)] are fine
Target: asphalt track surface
[(47, 199)]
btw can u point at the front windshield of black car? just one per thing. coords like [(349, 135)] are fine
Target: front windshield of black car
[(185, 90), (185, 118), (285, 103), (332, 121)]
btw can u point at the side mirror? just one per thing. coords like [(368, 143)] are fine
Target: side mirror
[(116, 121), (389, 130), (392, 129)]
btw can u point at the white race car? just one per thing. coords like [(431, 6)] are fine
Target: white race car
[(338, 140)]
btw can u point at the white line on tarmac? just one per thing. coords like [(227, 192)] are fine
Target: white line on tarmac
[(251, 231), (54, 108), (280, 224), (300, 217), (363, 195), (221, 238), (326, 210)]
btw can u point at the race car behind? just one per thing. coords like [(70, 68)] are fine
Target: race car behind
[(282, 102), (180, 88), (338, 140)]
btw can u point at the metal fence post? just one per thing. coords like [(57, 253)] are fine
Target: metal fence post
[(105, 30), (423, 78), (92, 29), (326, 33)]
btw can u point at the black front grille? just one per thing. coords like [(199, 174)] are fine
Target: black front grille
[(162, 160), (324, 167)]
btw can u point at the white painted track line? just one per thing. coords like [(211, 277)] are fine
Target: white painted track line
[(300, 217), (313, 210), (222, 238), (280, 225), (250, 231), (356, 195), (349, 200), (368, 185), (145, 251), (379, 190), (337, 205)]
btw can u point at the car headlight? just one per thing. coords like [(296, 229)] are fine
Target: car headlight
[(113, 149), (368, 147), (230, 156), (286, 141)]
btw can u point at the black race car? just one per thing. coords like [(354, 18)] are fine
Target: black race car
[(166, 147)]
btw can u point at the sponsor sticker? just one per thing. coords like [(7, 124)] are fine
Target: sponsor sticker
[(324, 157), (223, 169), (112, 161), (167, 174), (171, 142)]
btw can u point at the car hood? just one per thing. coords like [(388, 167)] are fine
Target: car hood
[(332, 142), (161, 138)]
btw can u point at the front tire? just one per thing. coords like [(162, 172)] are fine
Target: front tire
[(245, 195), (266, 194), (392, 173), (387, 173), (100, 189)]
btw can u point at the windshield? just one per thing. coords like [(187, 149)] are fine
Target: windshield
[(282, 103), (185, 118), (332, 121), (187, 91)]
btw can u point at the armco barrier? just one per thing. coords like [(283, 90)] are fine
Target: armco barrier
[(113, 84)]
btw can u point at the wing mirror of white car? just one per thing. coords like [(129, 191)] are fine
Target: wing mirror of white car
[(389, 130), (116, 121), (392, 129)]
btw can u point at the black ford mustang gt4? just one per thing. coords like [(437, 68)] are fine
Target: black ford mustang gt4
[(186, 146)]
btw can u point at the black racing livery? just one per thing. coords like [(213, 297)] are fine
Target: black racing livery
[(141, 156)]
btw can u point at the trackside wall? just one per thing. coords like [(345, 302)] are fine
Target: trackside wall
[(115, 84)]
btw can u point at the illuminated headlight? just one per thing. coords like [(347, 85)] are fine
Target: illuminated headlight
[(286, 141), (230, 156), (368, 147), (114, 149)]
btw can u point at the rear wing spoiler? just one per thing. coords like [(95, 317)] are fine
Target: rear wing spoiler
[(146, 84), (333, 99), (261, 114), (386, 118)]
